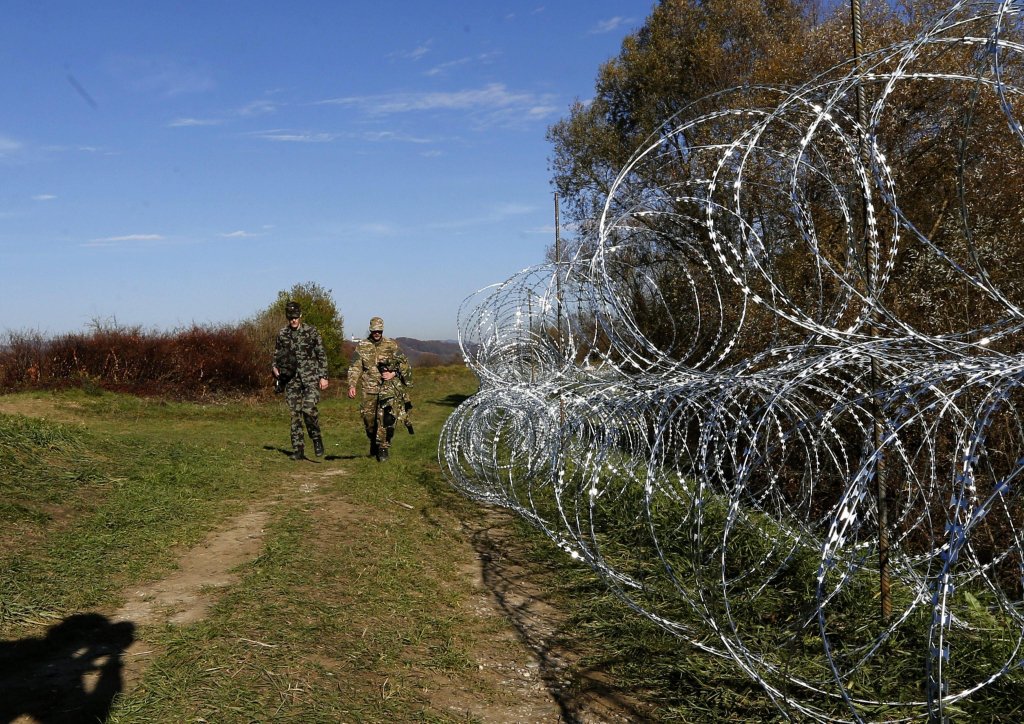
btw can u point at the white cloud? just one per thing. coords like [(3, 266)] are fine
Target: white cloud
[(540, 112), (380, 136), (610, 25), (490, 105), (377, 229), (258, 108), (43, 197), (287, 136), (82, 149), (240, 234), (189, 122), (500, 212), (365, 230), (9, 145), (133, 237), (415, 54), (164, 76), (115, 240), (445, 67)]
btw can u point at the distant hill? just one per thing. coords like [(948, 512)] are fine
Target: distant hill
[(421, 353), (430, 353)]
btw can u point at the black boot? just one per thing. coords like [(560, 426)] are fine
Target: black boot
[(408, 426), (382, 455), (298, 454), (318, 447), (373, 448)]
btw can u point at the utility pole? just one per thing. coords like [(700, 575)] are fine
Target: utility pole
[(558, 301), (870, 261), (558, 274)]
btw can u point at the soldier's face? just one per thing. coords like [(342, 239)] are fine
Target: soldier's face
[(376, 334), (294, 323)]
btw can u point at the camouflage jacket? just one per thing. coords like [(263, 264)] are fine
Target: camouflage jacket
[(299, 354), (365, 369)]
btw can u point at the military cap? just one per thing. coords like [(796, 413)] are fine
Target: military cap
[(292, 310), (376, 324)]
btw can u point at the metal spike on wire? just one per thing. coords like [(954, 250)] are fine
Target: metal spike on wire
[(729, 495)]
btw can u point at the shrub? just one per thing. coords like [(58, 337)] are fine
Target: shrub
[(187, 363)]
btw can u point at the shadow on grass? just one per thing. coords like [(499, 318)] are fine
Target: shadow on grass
[(310, 458), (70, 675), (453, 400), (523, 589)]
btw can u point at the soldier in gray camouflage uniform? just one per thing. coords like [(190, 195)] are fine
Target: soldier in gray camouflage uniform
[(384, 374), (300, 362)]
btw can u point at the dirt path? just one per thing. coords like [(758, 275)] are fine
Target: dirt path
[(537, 681), (518, 662)]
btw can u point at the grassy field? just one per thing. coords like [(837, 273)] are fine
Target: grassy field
[(372, 592), (363, 604)]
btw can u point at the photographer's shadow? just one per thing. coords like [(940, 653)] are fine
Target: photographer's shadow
[(70, 675)]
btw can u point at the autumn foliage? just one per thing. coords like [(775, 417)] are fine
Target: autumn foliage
[(188, 363)]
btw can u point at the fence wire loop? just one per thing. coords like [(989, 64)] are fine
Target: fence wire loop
[(717, 467)]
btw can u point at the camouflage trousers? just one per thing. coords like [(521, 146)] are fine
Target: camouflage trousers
[(302, 401), (380, 415)]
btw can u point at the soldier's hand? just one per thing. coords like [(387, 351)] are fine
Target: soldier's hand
[(351, 391), (323, 383), (389, 375)]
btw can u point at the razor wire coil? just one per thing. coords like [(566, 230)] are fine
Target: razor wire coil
[(727, 466)]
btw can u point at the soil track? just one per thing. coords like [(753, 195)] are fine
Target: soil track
[(537, 682)]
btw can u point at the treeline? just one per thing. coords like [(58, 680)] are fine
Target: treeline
[(188, 363)]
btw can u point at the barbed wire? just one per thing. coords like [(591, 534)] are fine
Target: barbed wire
[(734, 419)]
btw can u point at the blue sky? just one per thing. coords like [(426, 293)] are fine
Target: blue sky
[(164, 164)]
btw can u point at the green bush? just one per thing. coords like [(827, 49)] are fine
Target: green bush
[(318, 310)]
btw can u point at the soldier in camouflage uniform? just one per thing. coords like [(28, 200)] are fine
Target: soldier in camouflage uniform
[(300, 362), (383, 373)]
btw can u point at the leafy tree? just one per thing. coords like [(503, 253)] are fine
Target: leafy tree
[(318, 310), (947, 141), (686, 50)]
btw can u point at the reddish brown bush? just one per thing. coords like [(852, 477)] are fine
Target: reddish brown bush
[(187, 363)]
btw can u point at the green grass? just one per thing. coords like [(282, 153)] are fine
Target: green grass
[(344, 616), (356, 609)]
